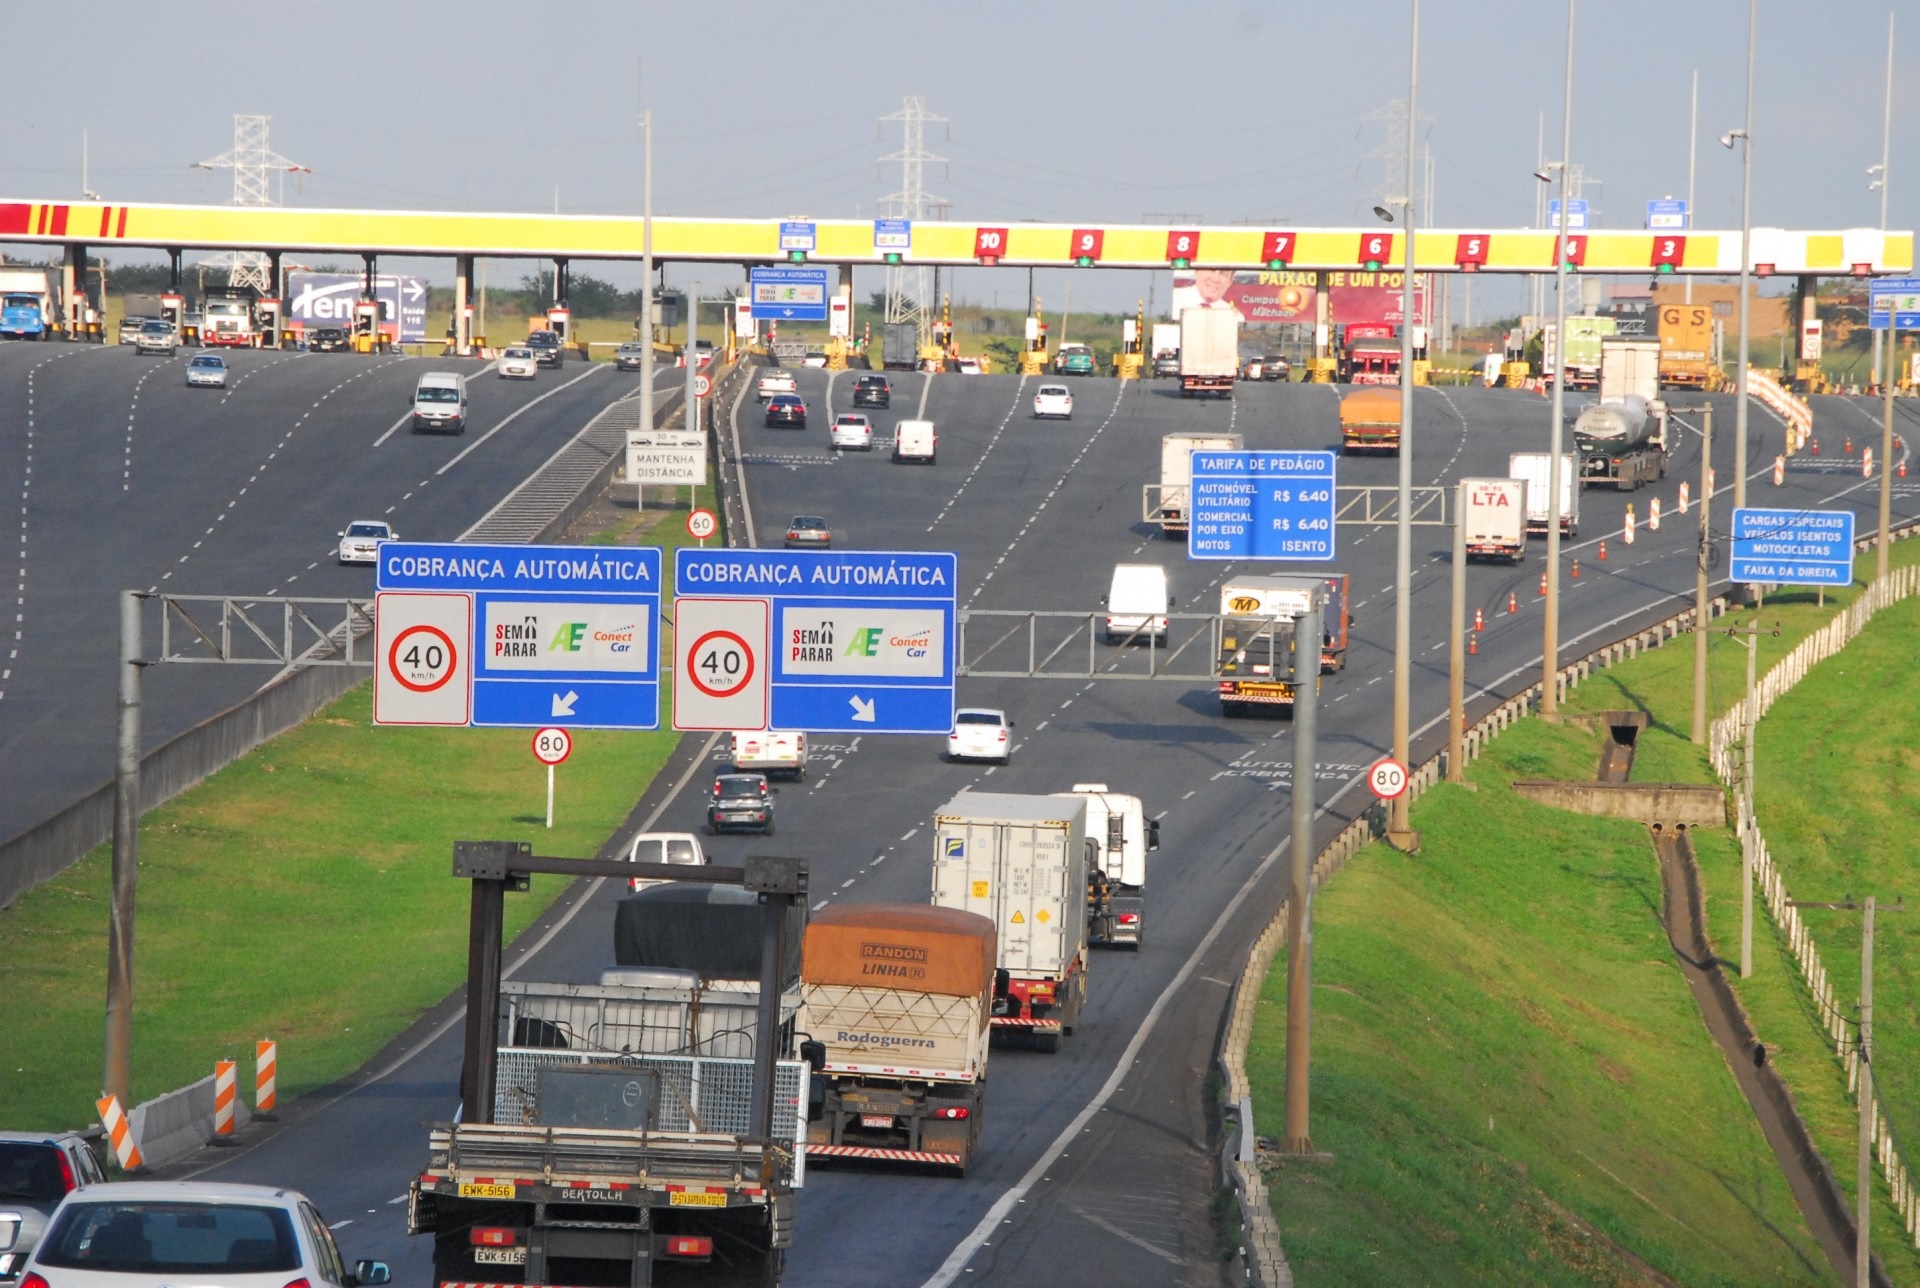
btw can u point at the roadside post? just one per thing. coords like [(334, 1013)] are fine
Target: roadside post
[(550, 747)]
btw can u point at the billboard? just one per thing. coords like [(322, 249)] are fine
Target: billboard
[(1265, 298), (327, 299)]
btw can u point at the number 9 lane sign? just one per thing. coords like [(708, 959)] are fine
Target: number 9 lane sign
[(720, 663), (1388, 778), (424, 671)]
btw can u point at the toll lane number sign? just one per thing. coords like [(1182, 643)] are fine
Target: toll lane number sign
[(720, 663), (423, 675)]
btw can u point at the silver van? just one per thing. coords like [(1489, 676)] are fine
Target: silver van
[(440, 403)]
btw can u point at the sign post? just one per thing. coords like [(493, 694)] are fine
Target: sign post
[(550, 747)]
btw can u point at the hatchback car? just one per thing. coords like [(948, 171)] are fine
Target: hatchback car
[(37, 1170), (329, 339), (518, 363), (776, 382), (980, 733), (852, 432), (788, 410), (967, 366), (360, 543), (208, 370), (741, 801), (872, 391), (813, 358), (1052, 401), (809, 532), (546, 347), (155, 337), (140, 1233), (630, 356)]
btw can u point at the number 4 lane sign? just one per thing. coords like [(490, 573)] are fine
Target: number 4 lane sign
[(424, 672), (720, 663)]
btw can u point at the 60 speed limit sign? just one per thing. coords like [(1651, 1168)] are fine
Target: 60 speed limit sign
[(721, 649), (1388, 778)]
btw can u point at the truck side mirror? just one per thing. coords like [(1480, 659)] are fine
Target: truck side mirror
[(1002, 978), (1153, 834), (814, 1053)]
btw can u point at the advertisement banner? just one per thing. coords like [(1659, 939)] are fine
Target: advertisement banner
[(327, 299), (1265, 298)]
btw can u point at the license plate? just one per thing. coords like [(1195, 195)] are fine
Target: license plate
[(468, 1191), (876, 1120), (698, 1200), (500, 1256)]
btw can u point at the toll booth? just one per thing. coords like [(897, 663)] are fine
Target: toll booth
[(173, 308), (559, 319), (366, 326), (266, 316)]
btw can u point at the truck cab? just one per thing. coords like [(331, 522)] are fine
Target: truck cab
[(1119, 837)]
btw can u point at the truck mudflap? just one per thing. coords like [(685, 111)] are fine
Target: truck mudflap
[(888, 1155)]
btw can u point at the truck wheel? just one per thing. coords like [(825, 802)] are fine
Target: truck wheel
[(1046, 1043)]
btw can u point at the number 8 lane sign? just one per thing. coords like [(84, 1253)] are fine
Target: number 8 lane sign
[(720, 663), (424, 671)]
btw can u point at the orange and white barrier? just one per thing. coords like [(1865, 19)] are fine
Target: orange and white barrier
[(1653, 514), (1779, 470), (266, 1058), (119, 1132), (1626, 531), (225, 1090), (1684, 497), (1788, 407), (1866, 463)]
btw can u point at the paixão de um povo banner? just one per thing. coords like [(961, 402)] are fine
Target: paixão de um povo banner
[(1272, 298)]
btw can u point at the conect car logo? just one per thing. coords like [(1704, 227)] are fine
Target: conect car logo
[(917, 645), (617, 640)]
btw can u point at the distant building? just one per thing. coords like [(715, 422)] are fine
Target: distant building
[(1767, 315)]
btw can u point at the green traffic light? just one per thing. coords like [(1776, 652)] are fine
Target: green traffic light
[(1183, 263), (1666, 268), (1277, 265), (1373, 266), (893, 257), (796, 257), (1083, 261)]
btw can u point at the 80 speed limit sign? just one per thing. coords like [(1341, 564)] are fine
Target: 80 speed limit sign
[(720, 663), (1388, 778)]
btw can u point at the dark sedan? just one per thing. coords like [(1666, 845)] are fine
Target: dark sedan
[(329, 339), (872, 391), (787, 409)]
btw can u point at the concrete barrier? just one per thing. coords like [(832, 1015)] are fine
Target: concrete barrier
[(1667, 804), (170, 1127)]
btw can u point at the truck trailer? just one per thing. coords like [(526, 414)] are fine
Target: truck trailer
[(1209, 352), (900, 346), (1621, 444), (1021, 862), (1370, 422), (1494, 519), (1533, 468), (1256, 661), (1168, 502), (1121, 836), (895, 1003), (1686, 347)]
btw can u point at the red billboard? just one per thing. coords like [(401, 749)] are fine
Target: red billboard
[(1275, 298)]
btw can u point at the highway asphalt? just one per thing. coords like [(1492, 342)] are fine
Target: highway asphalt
[(1094, 1163)]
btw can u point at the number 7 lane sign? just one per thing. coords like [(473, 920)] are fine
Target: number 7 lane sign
[(720, 670), (424, 669)]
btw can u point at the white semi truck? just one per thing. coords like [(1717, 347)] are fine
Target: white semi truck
[(1534, 467), (1122, 836), (1495, 518)]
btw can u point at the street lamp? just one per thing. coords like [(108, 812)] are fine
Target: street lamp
[(1745, 135), (1399, 833), (1550, 642)]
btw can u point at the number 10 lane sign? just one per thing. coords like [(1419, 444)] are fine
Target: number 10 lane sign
[(1262, 505)]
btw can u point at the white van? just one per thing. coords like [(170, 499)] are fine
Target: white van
[(1136, 602), (663, 847), (913, 440), (771, 752), (440, 403)]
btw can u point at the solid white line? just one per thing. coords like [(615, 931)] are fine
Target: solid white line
[(393, 429), (529, 405), (926, 387), (1134, 1239), (740, 466)]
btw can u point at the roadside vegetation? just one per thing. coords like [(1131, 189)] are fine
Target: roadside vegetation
[(1509, 1072)]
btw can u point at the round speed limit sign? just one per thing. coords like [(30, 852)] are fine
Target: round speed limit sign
[(722, 664), (702, 386), (1388, 778), (551, 746), (422, 658), (702, 524)]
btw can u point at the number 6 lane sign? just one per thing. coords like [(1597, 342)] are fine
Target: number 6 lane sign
[(1387, 778), (721, 663), (424, 673)]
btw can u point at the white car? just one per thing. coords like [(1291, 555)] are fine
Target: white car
[(967, 366), (814, 358), (1052, 401), (980, 733), (135, 1234), (518, 363), (360, 543), (207, 370), (776, 382), (852, 432)]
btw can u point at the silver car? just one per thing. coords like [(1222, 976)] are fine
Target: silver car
[(155, 336), (518, 363), (37, 1170), (141, 1233), (208, 370)]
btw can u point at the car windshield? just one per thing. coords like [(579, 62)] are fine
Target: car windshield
[(30, 1172), (172, 1239), (21, 301), (858, 422), (543, 340), (632, 348), (437, 394), (206, 360), (786, 400), (808, 523), (1053, 391), (519, 353), (740, 787), (158, 328), (978, 718), (366, 529)]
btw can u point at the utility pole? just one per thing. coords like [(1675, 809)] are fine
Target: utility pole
[(909, 293), (1700, 578), (1399, 830), (647, 298), (1886, 159), (1306, 703), (1457, 648), (1693, 156)]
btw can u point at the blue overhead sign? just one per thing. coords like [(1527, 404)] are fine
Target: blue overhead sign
[(1262, 505), (1793, 547), (893, 236), (562, 635), (796, 235), (1667, 215), (789, 294), (1576, 213), (860, 641), (1894, 302)]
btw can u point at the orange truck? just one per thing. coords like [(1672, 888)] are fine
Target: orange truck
[(1370, 421), (1686, 346)]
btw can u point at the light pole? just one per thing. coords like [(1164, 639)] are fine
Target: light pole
[(1700, 578), (1745, 135), (1886, 149), (1550, 643), (646, 296)]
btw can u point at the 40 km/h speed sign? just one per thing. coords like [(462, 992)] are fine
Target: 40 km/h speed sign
[(423, 674), (1387, 778), (720, 652)]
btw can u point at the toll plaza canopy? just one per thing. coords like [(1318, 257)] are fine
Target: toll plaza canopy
[(1853, 251)]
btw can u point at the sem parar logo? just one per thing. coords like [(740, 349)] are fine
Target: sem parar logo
[(865, 642), (568, 638)]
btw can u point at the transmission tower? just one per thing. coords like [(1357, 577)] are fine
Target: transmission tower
[(253, 163), (910, 290)]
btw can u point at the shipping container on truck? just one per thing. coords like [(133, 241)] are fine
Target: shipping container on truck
[(1122, 836), (895, 1002), (1021, 862), (1622, 444), (1534, 468), (1209, 352), (1277, 596), (1369, 355), (900, 346), (1167, 502), (619, 1138), (1370, 422), (1495, 519), (1686, 346), (1629, 368)]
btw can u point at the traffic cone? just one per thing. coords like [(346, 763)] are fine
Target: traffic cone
[(1902, 470), (1479, 620), (1849, 444), (1814, 443), (1603, 552), (1473, 644), (1576, 568), (1543, 583), (1513, 601)]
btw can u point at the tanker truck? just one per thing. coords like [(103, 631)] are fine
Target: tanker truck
[(1621, 444)]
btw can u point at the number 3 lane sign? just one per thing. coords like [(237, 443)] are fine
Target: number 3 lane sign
[(720, 663), (1387, 778), (424, 673)]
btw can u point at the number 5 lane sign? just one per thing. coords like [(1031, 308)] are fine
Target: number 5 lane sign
[(720, 668), (424, 675)]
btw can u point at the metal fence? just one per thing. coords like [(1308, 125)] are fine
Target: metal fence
[(697, 1093)]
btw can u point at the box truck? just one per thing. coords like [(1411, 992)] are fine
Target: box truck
[(1167, 502), (1209, 352), (1494, 519), (1533, 467)]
